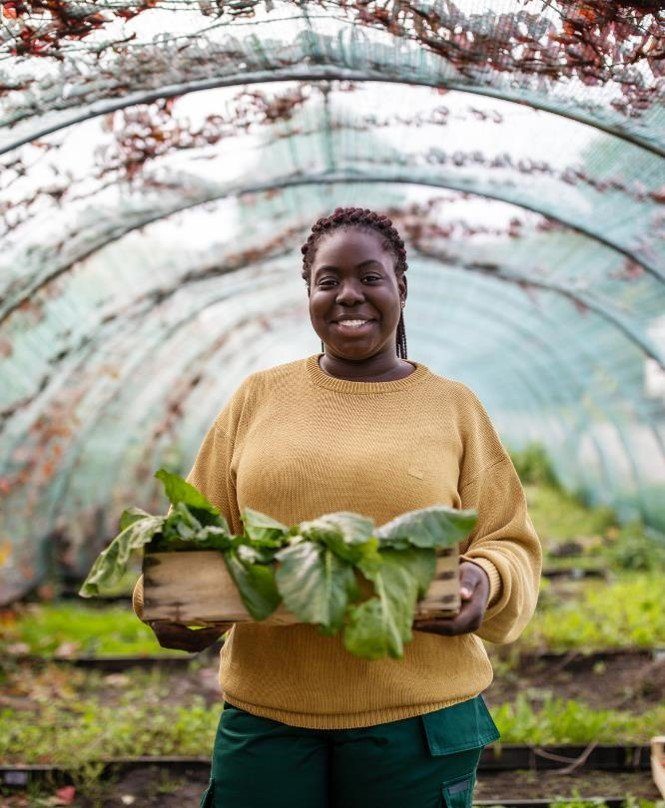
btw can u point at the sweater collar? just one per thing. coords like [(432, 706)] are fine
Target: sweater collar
[(322, 379)]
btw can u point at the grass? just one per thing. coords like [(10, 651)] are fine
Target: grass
[(77, 732), (74, 628), (625, 613), (558, 515), (86, 732), (68, 722), (587, 615), (567, 721)]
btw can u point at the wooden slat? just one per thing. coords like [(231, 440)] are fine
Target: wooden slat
[(658, 762), (195, 588), (442, 598)]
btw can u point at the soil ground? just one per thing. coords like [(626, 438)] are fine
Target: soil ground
[(152, 788), (623, 682)]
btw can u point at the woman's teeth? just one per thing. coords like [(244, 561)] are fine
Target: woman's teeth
[(352, 323)]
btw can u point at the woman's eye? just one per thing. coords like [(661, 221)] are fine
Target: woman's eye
[(326, 282)]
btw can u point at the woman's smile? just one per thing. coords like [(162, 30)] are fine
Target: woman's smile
[(353, 326)]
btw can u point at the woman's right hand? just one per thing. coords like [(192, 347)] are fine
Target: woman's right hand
[(177, 636)]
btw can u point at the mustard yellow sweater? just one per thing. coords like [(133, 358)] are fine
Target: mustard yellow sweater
[(294, 443)]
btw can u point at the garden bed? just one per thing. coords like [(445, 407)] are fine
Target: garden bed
[(529, 785), (151, 786), (607, 680), (66, 715)]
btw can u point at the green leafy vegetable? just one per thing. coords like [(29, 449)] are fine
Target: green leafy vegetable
[(132, 515), (178, 490), (316, 584), (348, 535), (256, 585), (434, 527), (421, 564), (380, 626), (181, 530), (110, 565), (262, 530), (314, 568)]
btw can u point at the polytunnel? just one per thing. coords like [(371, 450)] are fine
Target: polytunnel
[(163, 161)]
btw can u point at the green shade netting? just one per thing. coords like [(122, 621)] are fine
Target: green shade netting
[(163, 163)]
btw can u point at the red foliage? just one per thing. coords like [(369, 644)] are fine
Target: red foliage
[(144, 132), (47, 24), (598, 40)]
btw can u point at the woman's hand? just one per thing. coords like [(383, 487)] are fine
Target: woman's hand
[(474, 593), (176, 635)]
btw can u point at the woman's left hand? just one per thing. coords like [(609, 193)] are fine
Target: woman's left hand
[(474, 594)]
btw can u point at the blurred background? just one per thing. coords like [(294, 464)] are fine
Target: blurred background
[(161, 163)]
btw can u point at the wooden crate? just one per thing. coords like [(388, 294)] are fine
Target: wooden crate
[(658, 762), (443, 597), (195, 588)]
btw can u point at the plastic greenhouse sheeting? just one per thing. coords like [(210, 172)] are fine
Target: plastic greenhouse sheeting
[(162, 162)]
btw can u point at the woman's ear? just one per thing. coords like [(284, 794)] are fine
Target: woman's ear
[(401, 282)]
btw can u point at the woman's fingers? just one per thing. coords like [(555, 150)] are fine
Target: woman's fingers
[(474, 592), (177, 636)]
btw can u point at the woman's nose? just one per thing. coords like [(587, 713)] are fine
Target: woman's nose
[(349, 293)]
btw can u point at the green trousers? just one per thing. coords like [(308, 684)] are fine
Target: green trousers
[(428, 761)]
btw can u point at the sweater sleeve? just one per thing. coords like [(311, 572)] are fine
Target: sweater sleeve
[(504, 542), (211, 472)]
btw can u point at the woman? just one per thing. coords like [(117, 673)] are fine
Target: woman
[(359, 428)]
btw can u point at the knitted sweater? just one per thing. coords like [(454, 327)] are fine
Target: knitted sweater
[(294, 442)]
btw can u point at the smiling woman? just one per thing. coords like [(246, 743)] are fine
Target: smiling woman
[(354, 264), (360, 428)]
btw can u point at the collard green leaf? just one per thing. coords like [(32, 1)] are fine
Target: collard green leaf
[(421, 563), (434, 527), (182, 531), (352, 528), (130, 515), (263, 530), (111, 564), (380, 626), (177, 489), (348, 535), (256, 585), (180, 524), (255, 555), (370, 632), (212, 537), (315, 584)]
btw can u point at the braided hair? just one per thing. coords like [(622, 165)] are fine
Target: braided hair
[(365, 219)]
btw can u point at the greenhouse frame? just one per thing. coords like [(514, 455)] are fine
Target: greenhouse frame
[(162, 162)]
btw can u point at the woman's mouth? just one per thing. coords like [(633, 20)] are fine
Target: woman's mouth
[(353, 326)]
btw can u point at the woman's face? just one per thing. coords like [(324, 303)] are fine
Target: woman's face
[(354, 297)]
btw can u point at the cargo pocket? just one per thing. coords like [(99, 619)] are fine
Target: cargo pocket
[(461, 727), (208, 796), (458, 793)]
